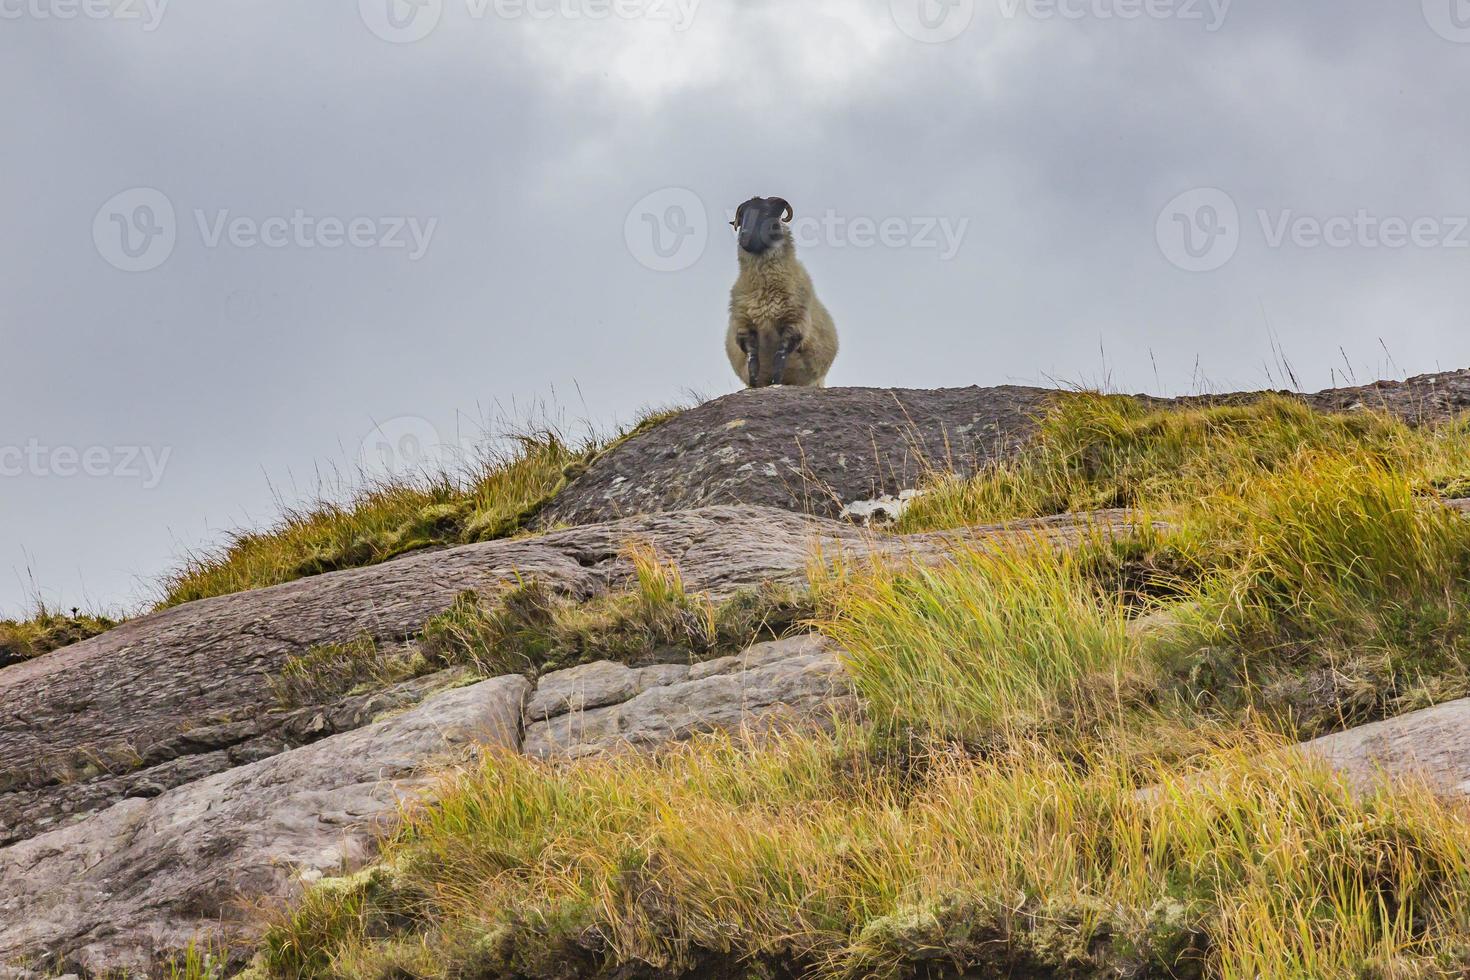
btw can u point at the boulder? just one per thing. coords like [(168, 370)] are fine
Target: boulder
[(1432, 745), (130, 885), (799, 681), (802, 449), (185, 693), (822, 451)]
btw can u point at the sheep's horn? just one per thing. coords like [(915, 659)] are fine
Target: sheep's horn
[(788, 212)]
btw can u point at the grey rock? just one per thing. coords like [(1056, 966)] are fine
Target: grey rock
[(189, 680), (798, 681), (818, 451), (138, 881), (801, 449), (596, 685), (1423, 399), (1433, 744), (197, 753)]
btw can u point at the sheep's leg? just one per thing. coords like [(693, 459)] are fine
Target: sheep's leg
[(789, 342), (748, 344)]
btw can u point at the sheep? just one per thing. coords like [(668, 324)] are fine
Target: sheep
[(780, 333)]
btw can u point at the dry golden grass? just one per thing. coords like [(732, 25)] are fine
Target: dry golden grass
[(1071, 765), (46, 630), (813, 857)]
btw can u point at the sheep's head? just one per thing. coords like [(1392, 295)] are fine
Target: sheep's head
[(759, 224)]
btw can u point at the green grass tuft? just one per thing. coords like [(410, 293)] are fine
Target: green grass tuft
[(531, 629), (499, 496), (47, 630)]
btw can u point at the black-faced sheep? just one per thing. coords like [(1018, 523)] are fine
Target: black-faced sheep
[(780, 333)]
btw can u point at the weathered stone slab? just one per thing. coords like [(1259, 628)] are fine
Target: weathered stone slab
[(195, 680), (819, 451), (141, 879), (1433, 744), (792, 682)]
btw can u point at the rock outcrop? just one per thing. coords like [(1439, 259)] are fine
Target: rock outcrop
[(114, 868), (1432, 745), (142, 879), (150, 778), (802, 449), (605, 706), (185, 693), (820, 451)]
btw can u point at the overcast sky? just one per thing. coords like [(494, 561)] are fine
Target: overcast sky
[(241, 235)]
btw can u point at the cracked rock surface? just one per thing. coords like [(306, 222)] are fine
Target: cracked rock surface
[(1432, 745), (819, 450), (605, 706), (141, 879), (149, 779), (184, 693)]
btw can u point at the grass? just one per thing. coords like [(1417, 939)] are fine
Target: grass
[(382, 522), (497, 496), (47, 630), (807, 857), (1340, 597), (1071, 765), (1096, 451), (1016, 639), (330, 670), (530, 629)]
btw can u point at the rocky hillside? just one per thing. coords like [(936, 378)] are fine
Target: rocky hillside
[(163, 782)]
